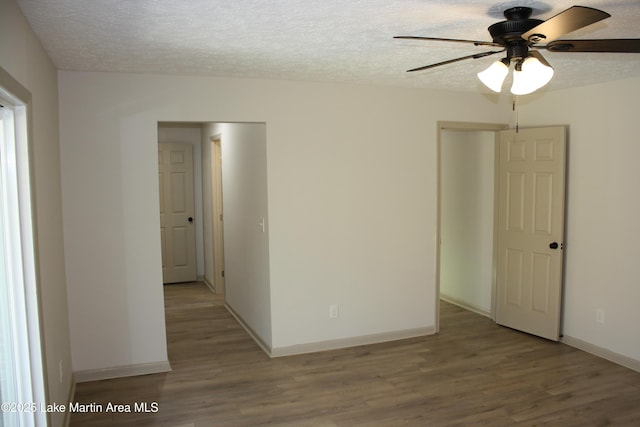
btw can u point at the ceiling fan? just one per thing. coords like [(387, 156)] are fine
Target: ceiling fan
[(519, 36)]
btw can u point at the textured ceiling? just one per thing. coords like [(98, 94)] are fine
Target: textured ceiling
[(328, 40)]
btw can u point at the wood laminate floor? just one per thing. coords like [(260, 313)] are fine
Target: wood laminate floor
[(473, 373)]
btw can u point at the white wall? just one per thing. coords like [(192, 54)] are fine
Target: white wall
[(246, 246), (467, 200), (351, 203), (190, 133), (22, 56), (602, 229), (352, 194)]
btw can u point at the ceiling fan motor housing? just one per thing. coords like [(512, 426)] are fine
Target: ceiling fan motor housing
[(509, 33)]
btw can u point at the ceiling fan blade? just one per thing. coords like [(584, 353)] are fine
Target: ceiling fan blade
[(565, 22), (599, 45), (450, 61), (475, 42), (539, 57)]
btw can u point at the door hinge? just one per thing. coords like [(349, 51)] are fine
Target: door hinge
[(222, 273), (220, 217)]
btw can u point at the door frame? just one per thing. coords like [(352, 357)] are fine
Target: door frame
[(472, 127), (215, 142)]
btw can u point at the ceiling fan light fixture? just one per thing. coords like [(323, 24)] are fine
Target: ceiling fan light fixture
[(530, 75), (494, 76)]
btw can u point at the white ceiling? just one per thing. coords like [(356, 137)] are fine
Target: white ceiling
[(323, 40)]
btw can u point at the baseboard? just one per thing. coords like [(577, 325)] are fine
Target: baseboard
[(351, 341), (264, 346), (209, 285), (72, 394), (465, 305), (330, 344), (122, 371), (609, 355)]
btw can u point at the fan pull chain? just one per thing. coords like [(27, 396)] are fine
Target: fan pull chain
[(515, 110)]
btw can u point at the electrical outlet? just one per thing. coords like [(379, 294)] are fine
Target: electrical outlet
[(334, 311), (599, 315)]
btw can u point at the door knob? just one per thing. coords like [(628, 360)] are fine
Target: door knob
[(553, 245), (190, 219)]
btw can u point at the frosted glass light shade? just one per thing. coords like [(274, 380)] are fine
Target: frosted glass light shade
[(532, 76), (494, 76)]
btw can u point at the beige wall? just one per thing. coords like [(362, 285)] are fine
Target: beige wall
[(602, 228), (351, 204), (351, 187), (22, 56)]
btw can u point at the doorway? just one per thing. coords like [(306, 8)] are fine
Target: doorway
[(204, 179), (465, 234), (243, 251), (501, 225)]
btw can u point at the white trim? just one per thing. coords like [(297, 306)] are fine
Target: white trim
[(209, 285), (217, 212), (602, 352), (465, 305), (266, 348), (351, 341), (72, 394), (122, 371)]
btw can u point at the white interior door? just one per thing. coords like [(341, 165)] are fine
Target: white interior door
[(177, 230), (530, 230)]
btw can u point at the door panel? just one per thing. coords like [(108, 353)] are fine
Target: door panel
[(180, 247), (514, 265), (543, 208), (515, 202), (175, 164), (177, 193), (531, 175)]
